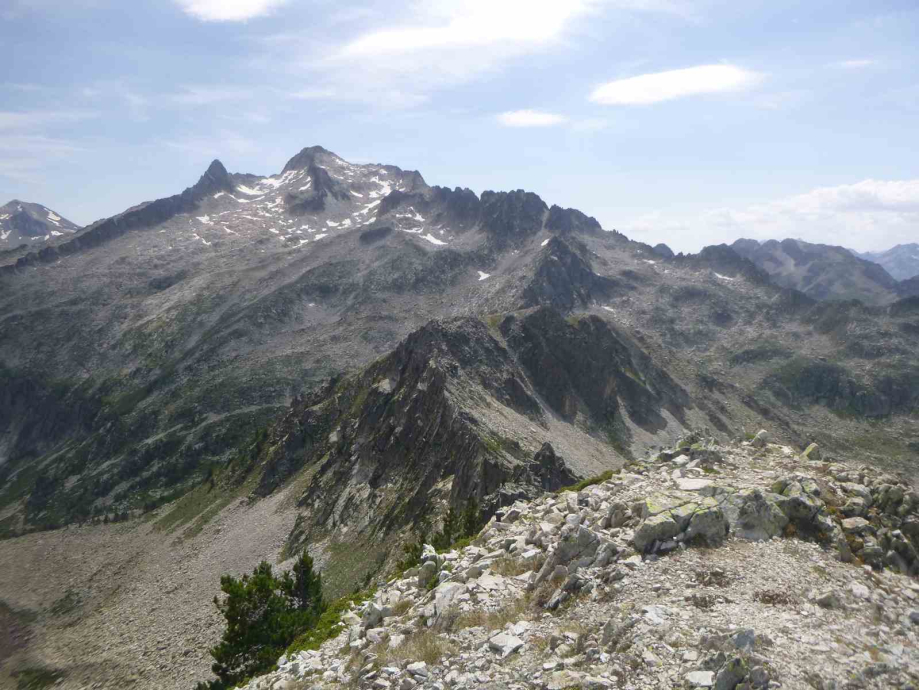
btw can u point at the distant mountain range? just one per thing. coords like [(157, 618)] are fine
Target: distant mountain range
[(901, 262), (827, 272), (22, 222)]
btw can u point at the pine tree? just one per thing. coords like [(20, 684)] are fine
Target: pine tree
[(264, 613), (303, 585), (472, 520)]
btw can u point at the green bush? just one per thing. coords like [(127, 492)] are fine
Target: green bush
[(329, 624), (264, 613)]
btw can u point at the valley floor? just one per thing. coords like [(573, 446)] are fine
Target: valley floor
[(128, 605)]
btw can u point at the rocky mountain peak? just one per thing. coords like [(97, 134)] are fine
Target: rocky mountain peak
[(308, 157), (510, 217), (820, 271), (214, 180), (26, 222)]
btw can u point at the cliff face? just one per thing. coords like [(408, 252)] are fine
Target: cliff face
[(459, 412)]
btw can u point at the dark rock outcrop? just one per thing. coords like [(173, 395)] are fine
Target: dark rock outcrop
[(567, 220), (509, 217), (586, 370), (565, 280)]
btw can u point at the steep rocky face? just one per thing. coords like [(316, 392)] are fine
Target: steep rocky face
[(909, 288), (820, 271), (26, 223), (510, 217), (453, 414), (564, 279), (901, 262), (587, 371)]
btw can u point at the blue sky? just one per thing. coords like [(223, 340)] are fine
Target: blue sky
[(688, 122)]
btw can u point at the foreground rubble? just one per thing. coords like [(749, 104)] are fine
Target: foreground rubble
[(736, 568)]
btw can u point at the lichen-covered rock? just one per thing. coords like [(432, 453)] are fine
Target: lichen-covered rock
[(709, 524), (812, 452), (657, 528), (754, 514), (731, 674)]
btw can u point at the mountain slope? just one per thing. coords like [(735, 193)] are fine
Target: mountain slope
[(162, 339), (334, 354), (820, 271), (901, 262), (26, 223)]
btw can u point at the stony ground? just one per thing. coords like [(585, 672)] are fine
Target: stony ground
[(129, 605), (732, 568)]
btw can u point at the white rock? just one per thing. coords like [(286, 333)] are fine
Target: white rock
[(418, 668), (859, 590), (505, 644), (700, 679)]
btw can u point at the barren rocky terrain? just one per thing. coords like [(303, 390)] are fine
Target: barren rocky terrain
[(705, 566)]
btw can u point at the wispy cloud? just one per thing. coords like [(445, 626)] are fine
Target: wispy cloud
[(530, 118), (424, 47), (208, 95), (855, 64), (24, 156), (871, 214), (228, 10), (657, 87), (379, 95), (33, 119)]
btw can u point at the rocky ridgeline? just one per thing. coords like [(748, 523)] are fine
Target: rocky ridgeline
[(737, 568)]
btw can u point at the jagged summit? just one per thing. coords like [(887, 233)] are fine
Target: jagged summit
[(215, 179)]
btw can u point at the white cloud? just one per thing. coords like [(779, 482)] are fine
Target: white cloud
[(423, 46), (855, 64), (471, 24), (679, 83), (530, 118), (228, 10), (867, 215)]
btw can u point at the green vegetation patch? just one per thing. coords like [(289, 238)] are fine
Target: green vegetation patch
[(36, 678), (329, 624), (590, 481)]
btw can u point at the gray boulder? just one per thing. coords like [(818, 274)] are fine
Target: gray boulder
[(657, 528), (709, 524), (754, 514)]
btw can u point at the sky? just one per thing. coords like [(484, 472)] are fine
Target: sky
[(690, 122)]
